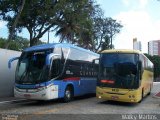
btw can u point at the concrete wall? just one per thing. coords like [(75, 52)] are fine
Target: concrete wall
[(7, 76)]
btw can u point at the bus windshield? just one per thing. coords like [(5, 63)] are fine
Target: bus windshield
[(118, 70), (31, 68)]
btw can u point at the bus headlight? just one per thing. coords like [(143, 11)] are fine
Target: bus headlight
[(40, 88)]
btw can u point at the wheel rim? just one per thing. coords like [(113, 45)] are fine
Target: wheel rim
[(68, 94)]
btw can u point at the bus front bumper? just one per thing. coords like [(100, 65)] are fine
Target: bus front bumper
[(131, 96), (46, 93)]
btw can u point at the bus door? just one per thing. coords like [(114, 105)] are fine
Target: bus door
[(56, 70)]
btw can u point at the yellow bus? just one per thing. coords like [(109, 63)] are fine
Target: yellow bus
[(124, 75)]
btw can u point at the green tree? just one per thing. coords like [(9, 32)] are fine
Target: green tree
[(75, 26), (40, 16), (156, 61), (106, 44), (86, 38), (2, 42), (12, 46), (113, 28), (18, 43), (104, 31), (13, 24)]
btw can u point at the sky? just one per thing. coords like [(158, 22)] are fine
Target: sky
[(140, 19)]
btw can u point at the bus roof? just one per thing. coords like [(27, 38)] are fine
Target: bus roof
[(121, 51), (53, 45)]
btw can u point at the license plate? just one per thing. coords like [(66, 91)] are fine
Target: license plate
[(114, 97), (27, 95)]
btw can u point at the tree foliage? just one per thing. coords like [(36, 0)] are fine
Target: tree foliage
[(104, 31), (39, 16), (18, 44), (79, 22), (75, 20), (156, 61), (14, 24)]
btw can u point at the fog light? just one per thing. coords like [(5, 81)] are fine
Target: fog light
[(99, 97)]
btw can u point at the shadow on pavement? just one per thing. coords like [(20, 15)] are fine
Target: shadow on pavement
[(56, 101)]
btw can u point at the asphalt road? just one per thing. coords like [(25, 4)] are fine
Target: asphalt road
[(82, 108)]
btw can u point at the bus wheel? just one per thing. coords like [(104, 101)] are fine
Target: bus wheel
[(141, 97), (68, 95), (150, 90)]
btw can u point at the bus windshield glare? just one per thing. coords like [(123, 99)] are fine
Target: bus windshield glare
[(31, 68), (118, 70)]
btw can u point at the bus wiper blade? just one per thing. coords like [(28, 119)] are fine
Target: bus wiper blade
[(23, 75)]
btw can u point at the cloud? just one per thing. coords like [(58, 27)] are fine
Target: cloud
[(143, 3), (136, 24), (3, 24)]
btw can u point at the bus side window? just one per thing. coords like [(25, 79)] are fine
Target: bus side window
[(141, 66), (142, 62)]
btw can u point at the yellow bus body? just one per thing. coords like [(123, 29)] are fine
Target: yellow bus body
[(127, 95)]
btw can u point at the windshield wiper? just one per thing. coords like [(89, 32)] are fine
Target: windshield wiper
[(23, 75)]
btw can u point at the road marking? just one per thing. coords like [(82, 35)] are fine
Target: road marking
[(12, 101)]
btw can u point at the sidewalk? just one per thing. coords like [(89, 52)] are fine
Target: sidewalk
[(156, 90), (157, 95)]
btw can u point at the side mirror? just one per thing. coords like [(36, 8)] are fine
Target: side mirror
[(49, 58), (11, 60)]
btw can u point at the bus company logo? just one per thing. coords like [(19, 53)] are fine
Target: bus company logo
[(115, 90)]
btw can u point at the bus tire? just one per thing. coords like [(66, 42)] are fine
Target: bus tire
[(68, 94), (141, 97), (150, 90)]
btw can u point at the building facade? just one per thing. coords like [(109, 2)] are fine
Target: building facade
[(137, 44), (154, 47)]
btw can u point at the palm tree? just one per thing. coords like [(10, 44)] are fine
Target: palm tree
[(67, 31), (73, 26)]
